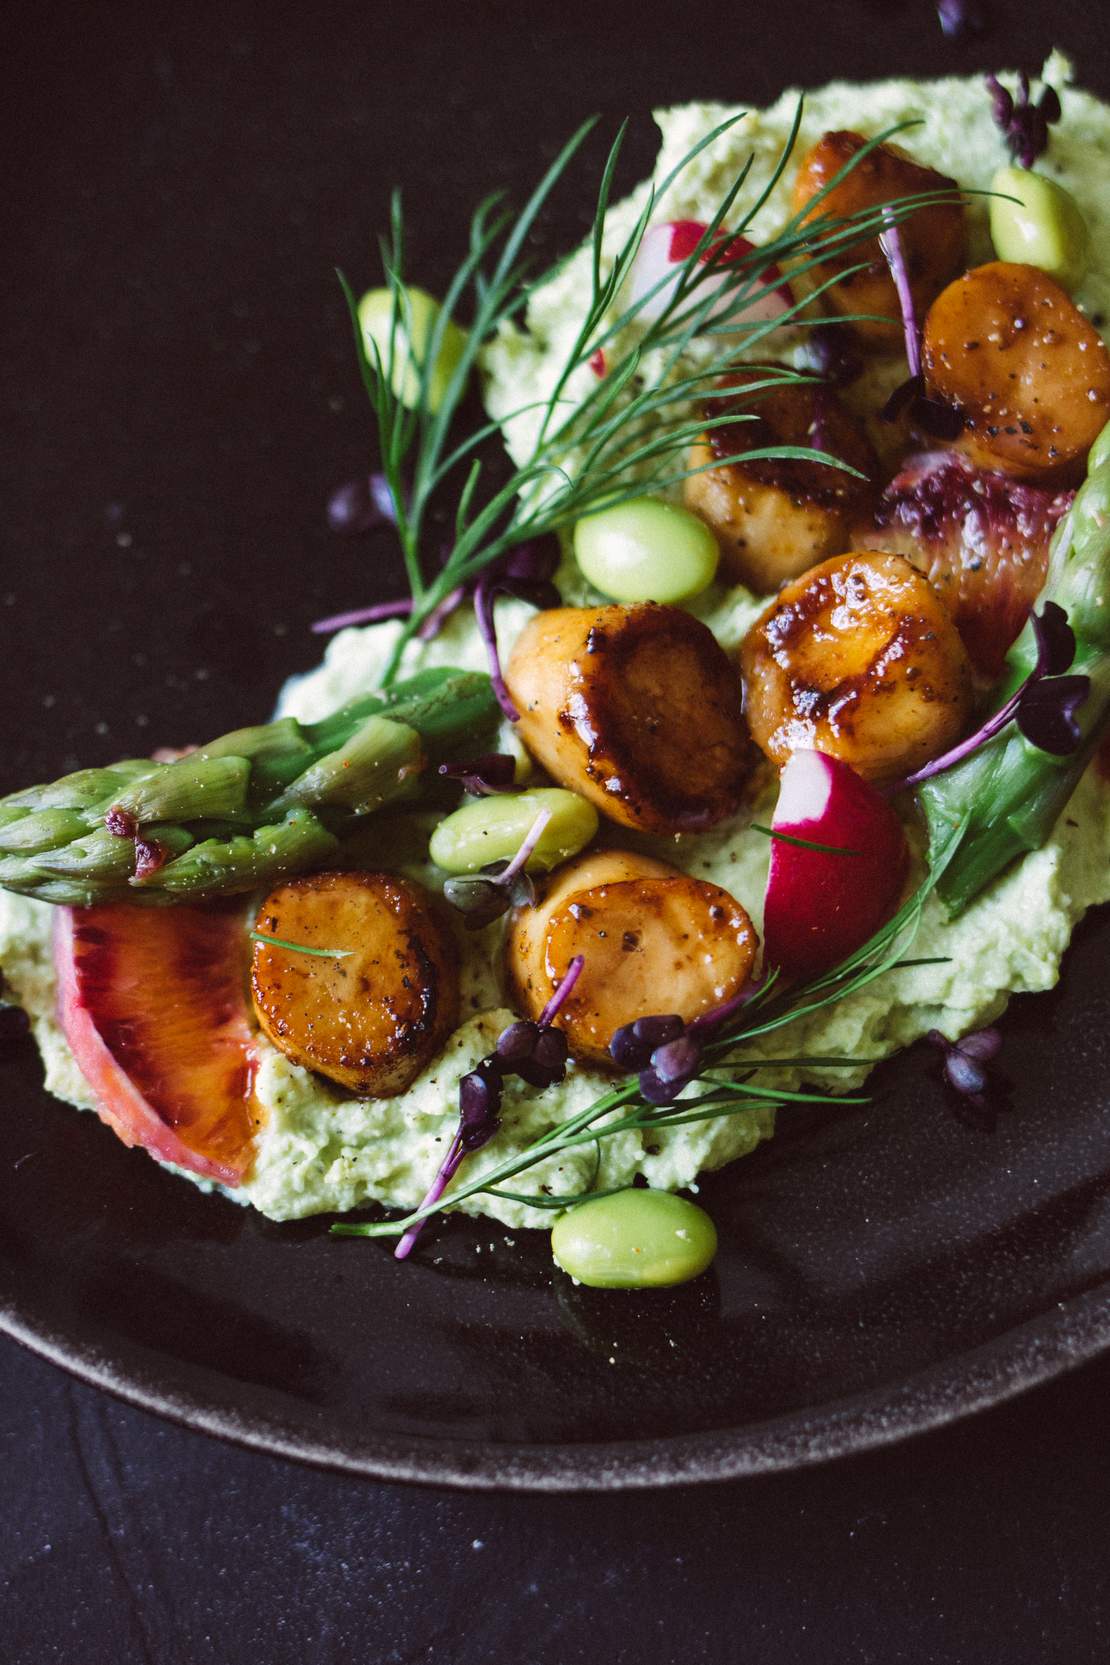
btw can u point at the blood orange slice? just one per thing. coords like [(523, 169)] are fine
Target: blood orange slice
[(153, 1003)]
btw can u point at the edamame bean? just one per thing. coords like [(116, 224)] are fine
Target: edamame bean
[(646, 550), (635, 1239), (1044, 227), (1100, 451), (493, 829), (415, 324)]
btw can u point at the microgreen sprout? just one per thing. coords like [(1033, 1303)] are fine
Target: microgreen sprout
[(299, 947), (527, 574), (483, 897), (965, 1070), (668, 1052), (483, 777), (537, 1053), (1023, 124), (1044, 705), (937, 418)]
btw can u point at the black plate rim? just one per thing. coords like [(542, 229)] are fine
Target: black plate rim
[(1020, 1359)]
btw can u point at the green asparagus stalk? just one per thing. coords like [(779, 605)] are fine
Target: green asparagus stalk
[(1012, 792), (246, 810)]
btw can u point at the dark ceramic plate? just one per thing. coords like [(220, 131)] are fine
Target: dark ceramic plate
[(179, 402)]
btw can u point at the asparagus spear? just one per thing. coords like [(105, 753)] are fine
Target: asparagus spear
[(1013, 790), (239, 813)]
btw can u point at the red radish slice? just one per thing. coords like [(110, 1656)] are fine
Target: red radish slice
[(663, 251), (153, 1004), (819, 906)]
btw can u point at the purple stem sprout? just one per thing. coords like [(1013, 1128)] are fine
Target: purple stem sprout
[(484, 897), (667, 1051), (485, 776), (535, 1052), (965, 1069), (1023, 124), (1044, 704), (894, 253)]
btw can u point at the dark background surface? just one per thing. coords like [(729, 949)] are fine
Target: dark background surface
[(177, 396)]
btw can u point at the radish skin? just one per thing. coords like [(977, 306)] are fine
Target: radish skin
[(821, 906), (666, 248)]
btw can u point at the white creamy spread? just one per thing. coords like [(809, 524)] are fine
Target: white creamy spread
[(319, 1151)]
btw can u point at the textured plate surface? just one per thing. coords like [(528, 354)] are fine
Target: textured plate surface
[(180, 402)]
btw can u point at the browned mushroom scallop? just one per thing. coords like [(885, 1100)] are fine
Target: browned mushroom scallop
[(860, 659), (652, 940), (1028, 372), (933, 238), (638, 709), (777, 517), (374, 1019)]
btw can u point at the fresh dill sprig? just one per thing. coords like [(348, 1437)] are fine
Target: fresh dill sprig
[(726, 1077), (627, 433)]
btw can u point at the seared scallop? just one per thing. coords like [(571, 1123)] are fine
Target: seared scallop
[(860, 659), (636, 708), (933, 238), (652, 940), (776, 517), (372, 1019), (1027, 371)]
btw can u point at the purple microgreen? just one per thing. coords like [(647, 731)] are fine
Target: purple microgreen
[(1055, 639), (483, 776), (563, 992), (438, 616), (399, 609), (361, 505), (483, 897), (941, 420), (959, 19), (667, 1052), (1023, 124), (536, 1053), (633, 1043), (803, 843), (1048, 713), (480, 1104), (528, 844), (517, 1043), (965, 1071), (480, 900), (299, 947), (894, 253), (1045, 704), (833, 353), (484, 596), (526, 573), (982, 1044), (479, 1119)]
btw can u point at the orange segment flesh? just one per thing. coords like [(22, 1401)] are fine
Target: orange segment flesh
[(153, 1004)]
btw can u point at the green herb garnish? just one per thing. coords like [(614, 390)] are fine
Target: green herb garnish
[(300, 947), (622, 435)]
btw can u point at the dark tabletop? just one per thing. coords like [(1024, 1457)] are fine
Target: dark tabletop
[(176, 178)]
